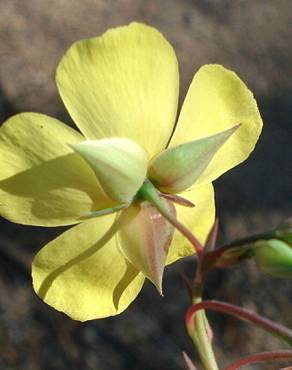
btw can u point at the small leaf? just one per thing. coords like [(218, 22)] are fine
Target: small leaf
[(119, 164), (188, 362), (176, 169), (144, 238)]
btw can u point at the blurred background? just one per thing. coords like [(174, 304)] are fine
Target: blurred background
[(253, 38)]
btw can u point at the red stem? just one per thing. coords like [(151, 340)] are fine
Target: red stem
[(260, 357), (242, 313)]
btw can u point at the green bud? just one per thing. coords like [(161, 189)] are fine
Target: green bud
[(177, 168), (119, 164), (274, 257)]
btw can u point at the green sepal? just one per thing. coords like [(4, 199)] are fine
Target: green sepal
[(119, 164), (176, 169)]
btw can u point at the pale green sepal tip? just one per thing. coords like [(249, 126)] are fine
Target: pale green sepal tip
[(274, 257), (119, 164), (179, 167)]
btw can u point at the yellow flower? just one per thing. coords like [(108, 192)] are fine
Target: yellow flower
[(121, 86)]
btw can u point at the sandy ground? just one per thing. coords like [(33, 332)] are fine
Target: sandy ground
[(252, 37)]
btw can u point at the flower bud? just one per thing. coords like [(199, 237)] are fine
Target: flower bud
[(119, 164), (177, 168), (274, 257)]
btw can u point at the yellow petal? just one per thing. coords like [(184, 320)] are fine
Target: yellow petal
[(82, 273), (124, 83), (198, 220), (218, 100), (144, 238), (42, 182)]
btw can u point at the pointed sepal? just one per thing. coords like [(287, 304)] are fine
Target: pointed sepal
[(144, 238), (177, 168), (119, 164)]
